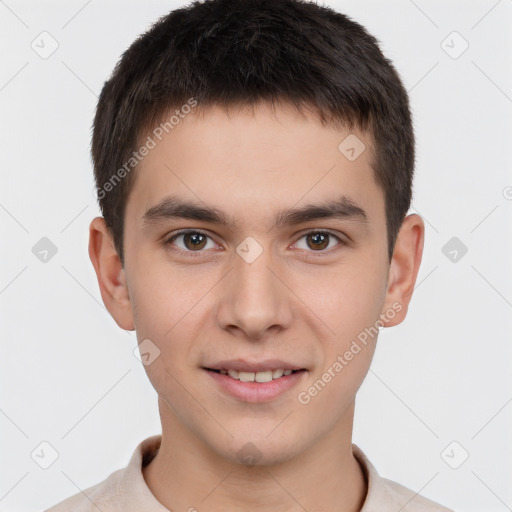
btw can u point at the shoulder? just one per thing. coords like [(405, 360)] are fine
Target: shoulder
[(399, 496), (386, 495), (100, 496), (125, 489)]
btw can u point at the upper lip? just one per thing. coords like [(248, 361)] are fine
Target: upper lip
[(242, 365)]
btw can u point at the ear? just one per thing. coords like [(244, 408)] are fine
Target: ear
[(403, 269), (110, 274)]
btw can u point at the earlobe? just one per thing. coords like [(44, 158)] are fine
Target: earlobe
[(110, 274), (403, 269)]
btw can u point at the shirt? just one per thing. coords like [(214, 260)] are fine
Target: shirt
[(125, 490)]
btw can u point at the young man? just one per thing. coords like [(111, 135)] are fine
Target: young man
[(254, 164)]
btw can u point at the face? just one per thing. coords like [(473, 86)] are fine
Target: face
[(282, 266)]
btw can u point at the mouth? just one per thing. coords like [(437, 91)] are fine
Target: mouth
[(259, 386), (260, 376)]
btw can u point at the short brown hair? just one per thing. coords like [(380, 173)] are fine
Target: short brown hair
[(242, 52)]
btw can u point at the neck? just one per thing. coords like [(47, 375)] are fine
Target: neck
[(186, 474)]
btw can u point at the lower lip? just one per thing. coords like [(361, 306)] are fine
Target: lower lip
[(256, 391)]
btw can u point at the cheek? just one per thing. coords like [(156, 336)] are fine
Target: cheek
[(333, 384), (168, 319), (173, 337), (164, 299), (349, 302), (346, 300), (169, 309)]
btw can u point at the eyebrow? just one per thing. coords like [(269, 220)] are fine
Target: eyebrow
[(173, 207)]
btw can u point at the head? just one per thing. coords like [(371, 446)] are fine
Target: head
[(252, 123)]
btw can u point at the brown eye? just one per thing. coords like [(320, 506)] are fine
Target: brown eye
[(190, 241), (317, 240), (194, 241)]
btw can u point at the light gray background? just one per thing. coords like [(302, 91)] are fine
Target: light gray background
[(68, 375)]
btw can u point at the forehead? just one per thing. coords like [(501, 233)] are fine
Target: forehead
[(253, 162)]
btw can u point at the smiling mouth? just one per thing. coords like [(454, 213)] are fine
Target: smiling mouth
[(263, 376)]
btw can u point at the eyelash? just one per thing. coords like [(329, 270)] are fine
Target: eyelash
[(168, 242)]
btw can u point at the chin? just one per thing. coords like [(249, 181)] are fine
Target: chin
[(260, 452)]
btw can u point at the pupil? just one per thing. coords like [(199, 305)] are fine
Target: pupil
[(319, 240), (195, 238)]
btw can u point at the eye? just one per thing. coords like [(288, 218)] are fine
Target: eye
[(319, 241), (197, 241), (191, 241)]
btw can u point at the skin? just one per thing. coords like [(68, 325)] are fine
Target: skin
[(291, 303)]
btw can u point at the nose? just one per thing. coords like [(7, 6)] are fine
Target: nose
[(254, 299)]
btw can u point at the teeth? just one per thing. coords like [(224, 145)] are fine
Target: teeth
[(246, 376), (265, 376)]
